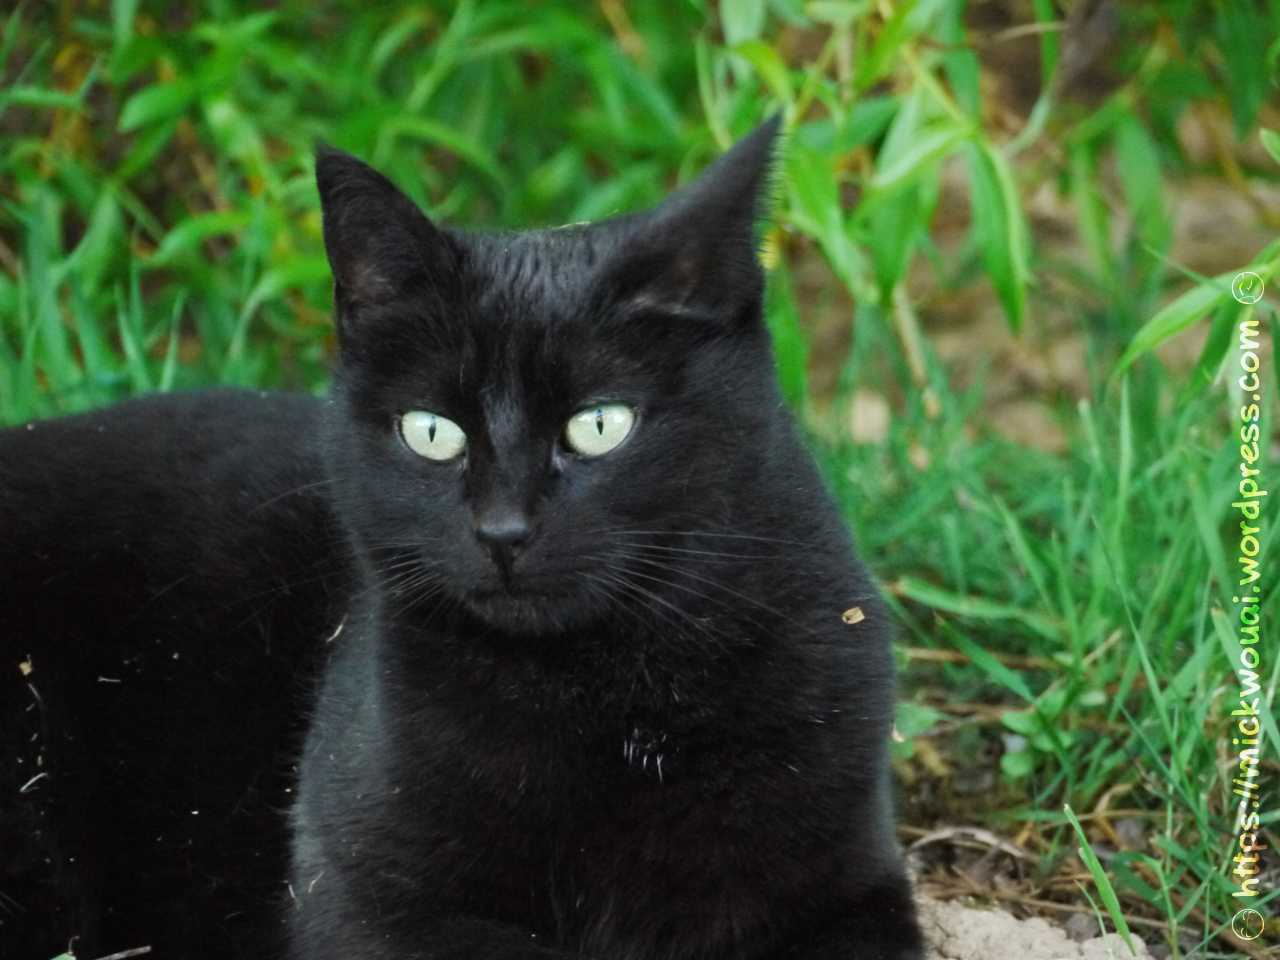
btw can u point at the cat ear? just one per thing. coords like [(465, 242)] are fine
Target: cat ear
[(697, 252), (380, 245)]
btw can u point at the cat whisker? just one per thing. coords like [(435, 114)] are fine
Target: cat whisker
[(612, 577), (696, 532), (289, 493), (709, 582), (690, 553)]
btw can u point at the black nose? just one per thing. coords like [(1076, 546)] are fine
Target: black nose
[(503, 534)]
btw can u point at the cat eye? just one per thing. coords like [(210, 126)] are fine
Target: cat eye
[(431, 435), (597, 430)]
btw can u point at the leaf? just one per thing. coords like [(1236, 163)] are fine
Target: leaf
[(993, 668), (910, 720), (1176, 317), (103, 238), (769, 67), (39, 97), (1215, 349), (959, 60), (838, 13), (789, 344), (123, 13), (998, 227), (913, 719), (162, 101), (1018, 764), (815, 208), (977, 607), (1091, 208), (1138, 165), (741, 20), (894, 223), (928, 146), (1100, 878), (442, 135), (1271, 140), (188, 235)]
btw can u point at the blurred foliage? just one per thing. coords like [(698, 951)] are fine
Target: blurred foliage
[(156, 163), (159, 229)]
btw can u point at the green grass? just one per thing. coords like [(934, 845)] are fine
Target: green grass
[(159, 230)]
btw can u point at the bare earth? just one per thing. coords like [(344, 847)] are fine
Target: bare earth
[(957, 932)]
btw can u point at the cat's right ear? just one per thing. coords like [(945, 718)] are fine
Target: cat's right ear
[(381, 247)]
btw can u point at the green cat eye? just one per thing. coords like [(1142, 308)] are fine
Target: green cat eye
[(431, 435), (598, 430)]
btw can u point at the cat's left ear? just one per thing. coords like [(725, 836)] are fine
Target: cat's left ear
[(697, 252), (381, 247)]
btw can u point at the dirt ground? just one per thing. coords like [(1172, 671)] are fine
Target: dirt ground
[(956, 932)]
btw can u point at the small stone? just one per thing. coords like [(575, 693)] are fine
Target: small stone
[(853, 615), (1081, 927)]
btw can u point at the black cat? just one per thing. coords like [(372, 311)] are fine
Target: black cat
[(592, 694)]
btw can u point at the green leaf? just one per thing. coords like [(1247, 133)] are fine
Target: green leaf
[(443, 135), (1138, 165), (815, 208), (1100, 878), (1215, 348), (1018, 764), (39, 97), (123, 13), (927, 147), (913, 719), (976, 607), (741, 20), (1091, 208), (1242, 34), (998, 227), (959, 59), (910, 720), (189, 234), (103, 238), (838, 13), (769, 67), (162, 101), (1176, 317), (894, 222), (993, 668), (1271, 140), (789, 344)]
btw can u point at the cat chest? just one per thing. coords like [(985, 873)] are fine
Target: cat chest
[(611, 858)]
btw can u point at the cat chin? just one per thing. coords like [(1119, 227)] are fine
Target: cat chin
[(528, 613)]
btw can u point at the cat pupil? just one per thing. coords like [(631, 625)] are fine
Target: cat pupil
[(431, 431), (600, 422)]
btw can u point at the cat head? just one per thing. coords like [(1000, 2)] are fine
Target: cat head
[(535, 425)]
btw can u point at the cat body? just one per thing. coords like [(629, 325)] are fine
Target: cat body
[(169, 572), (587, 689), (590, 704)]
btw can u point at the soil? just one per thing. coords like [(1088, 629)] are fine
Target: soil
[(957, 932)]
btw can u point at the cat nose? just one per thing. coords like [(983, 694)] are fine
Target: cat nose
[(503, 534)]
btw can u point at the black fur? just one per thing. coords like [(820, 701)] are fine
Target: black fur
[(639, 730), (168, 569)]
